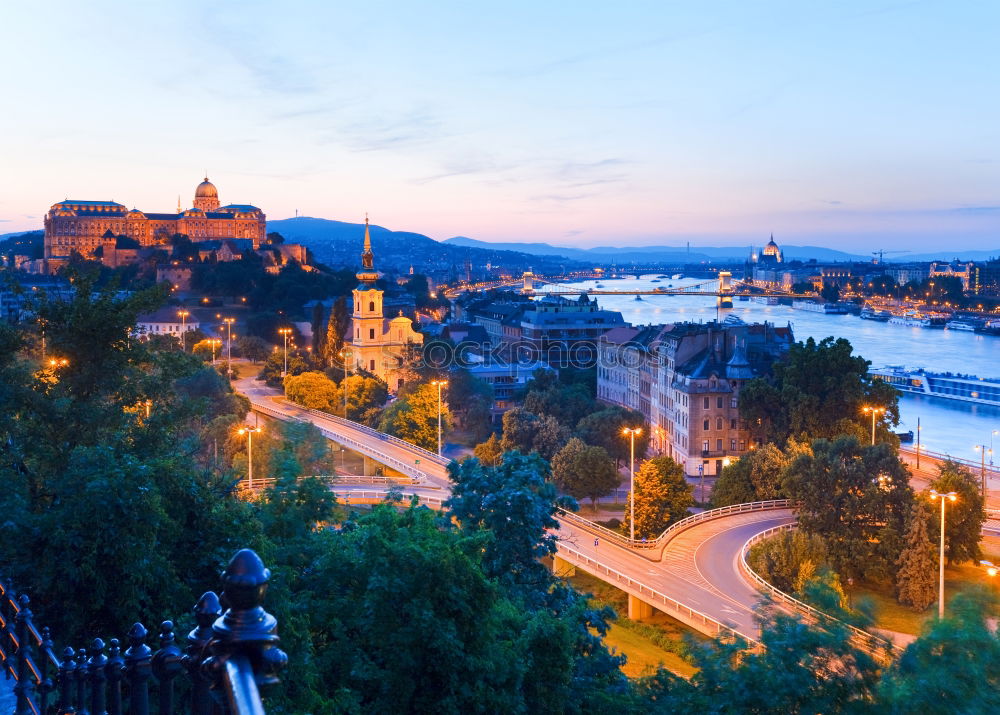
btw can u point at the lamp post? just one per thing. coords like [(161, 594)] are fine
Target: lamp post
[(183, 316), (981, 448), (345, 356), (874, 411), (993, 434), (229, 345), (214, 343), (284, 333), (439, 384), (249, 431), (918, 443), (952, 496), (701, 480), (632, 433)]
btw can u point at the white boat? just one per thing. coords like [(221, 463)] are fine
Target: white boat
[(764, 299), (961, 325), (910, 319), (814, 307), (951, 386), (676, 276)]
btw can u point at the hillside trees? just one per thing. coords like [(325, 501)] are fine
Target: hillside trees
[(662, 496), (414, 417), (965, 516), (312, 390)]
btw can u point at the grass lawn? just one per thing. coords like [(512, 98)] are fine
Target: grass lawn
[(894, 617), (638, 641)]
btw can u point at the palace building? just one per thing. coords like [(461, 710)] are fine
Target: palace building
[(378, 345), (81, 225)]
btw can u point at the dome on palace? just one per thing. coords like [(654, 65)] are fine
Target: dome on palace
[(206, 190)]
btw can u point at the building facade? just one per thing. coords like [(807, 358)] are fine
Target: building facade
[(82, 225), (378, 345), (685, 379)]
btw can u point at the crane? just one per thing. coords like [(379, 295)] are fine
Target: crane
[(880, 253)]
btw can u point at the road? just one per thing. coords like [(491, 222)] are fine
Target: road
[(697, 569)]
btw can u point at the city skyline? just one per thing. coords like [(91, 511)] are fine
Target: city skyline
[(834, 125)]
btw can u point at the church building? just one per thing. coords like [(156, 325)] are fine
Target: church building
[(378, 344)]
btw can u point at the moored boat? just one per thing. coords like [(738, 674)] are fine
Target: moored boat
[(948, 385)]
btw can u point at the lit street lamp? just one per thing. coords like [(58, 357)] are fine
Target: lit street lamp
[(229, 345), (439, 384), (632, 433), (284, 333), (874, 411), (991, 569), (183, 316), (345, 356), (249, 431), (952, 496), (981, 448), (214, 343)]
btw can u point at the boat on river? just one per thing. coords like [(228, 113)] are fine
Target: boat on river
[(764, 299), (962, 324), (910, 319), (870, 313), (814, 307), (948, 385)]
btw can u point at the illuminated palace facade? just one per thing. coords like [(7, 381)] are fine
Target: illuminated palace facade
[(80, 225)]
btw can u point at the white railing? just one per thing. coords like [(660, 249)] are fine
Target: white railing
[(359, 446), (863, 638), (673, 529), (372, 432), (650, 595), (974, 465), (366, 496)]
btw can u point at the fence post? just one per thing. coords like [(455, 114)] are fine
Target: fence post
[(206, 611), (67, 676), (137, 669), (167, 666), (47, 676), (115, 671), (98, 676), (23, 688)]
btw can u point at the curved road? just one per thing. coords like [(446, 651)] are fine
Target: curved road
[(697, 578)]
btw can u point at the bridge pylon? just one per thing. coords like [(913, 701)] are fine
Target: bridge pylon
[(529, 282), (725, 289)]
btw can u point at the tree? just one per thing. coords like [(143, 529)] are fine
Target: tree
[(519, 427), (317, 328), (253, 348), (818, 391), (916, 585), (583, 471), (857, 499), (471, 401), (734, 485), (414, 417), (336, 328), (830, 292), (567, 403), (489, 453), (779, 559), (312, 390), (549, 437), (363, 393), (662, 496), (604, 429), (964, 517)]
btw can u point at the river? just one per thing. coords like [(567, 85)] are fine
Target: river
[(947, 426)]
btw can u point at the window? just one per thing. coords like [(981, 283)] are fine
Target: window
[(718, 445), (734, 402), (718, 402), (371, 307), (718, 423), (743, 445), (706, 403), (371, 333), (704, 446), (705, 426), (732, 445), (371, 364), (732, 423)]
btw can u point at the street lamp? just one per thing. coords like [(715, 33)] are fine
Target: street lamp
[(345, 355), (229, 345), (632, 433), (284, 333), (214, 343), (981, 448), (993, 434), (183, 316), (991, 569), (874, 411), (249, 432), (952, 496), (439, 384)]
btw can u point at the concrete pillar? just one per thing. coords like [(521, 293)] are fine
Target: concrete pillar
[(638, 609), (370, 466), (561, 568)]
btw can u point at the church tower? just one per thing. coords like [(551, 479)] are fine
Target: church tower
[(368, 321)]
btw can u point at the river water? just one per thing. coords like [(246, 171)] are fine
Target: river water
[(947, 426)]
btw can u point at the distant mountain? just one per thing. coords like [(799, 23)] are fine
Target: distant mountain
[(657, 254), (340, 243), (945, 255)]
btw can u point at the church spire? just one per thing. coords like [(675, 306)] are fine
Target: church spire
[(368, 273)]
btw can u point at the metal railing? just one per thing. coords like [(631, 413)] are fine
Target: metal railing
[(348, 480), (975, 465), (367, 496), (371, 431), (228, 655), (675, 528), (867, 641), (662, 601)]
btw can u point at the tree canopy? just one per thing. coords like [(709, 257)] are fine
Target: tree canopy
[(662, 496)]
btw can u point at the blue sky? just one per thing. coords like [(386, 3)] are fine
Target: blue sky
[(848, 124)]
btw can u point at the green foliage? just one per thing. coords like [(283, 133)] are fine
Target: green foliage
[(583, 471), (662, 496), (489, 453), (917, 565), (818, 391), (274, 366), (779, 559), (857, 499), (566, 403), (414, 417), (604, 429), (253, 348), (964, 517), (756, 476), (470, 400), (312, 390), (518, 430), (363, 394), (336, 328)]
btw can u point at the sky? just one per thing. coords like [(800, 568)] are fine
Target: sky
[(853, 125)]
